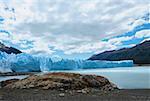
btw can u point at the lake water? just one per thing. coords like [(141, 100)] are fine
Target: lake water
[(123, 77), (12, 77)]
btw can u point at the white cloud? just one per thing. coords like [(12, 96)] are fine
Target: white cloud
[(138, 23), (118, 41), (96, 47), (73, 26), (142, 34), (4, 36)]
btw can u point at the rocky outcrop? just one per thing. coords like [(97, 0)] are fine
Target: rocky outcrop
[(64, 81), (140, 54), (9, 50), (7, 82)]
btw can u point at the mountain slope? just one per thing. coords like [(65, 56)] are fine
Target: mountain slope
[(9, 50), (140, 54)]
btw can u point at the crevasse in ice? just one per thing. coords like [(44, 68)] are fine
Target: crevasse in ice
[(27, 63)]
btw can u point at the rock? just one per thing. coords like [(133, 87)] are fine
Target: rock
[(1, 98), (113, 85), (31, 86), (62, 89), (94, 81), (63, 82), (9, 50), (70, 92), (79, 91), (109, 87), (4, 83), (16, 73), (62, 94), (84, 91)]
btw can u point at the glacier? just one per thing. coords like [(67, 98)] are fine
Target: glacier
[(28, 63)]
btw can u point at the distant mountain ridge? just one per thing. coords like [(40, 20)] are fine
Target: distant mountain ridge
[(8, 50), (140, 54)]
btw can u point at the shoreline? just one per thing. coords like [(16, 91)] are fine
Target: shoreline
[(54, 95), (16, 73), (38, 94)]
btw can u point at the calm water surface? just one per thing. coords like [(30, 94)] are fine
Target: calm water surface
[(123, 77), (12, 77)]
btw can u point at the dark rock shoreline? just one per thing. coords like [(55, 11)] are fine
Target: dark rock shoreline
[(17, 73), (55, 95)]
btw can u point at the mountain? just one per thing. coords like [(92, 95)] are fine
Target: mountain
[(8, 50), (140, 54)]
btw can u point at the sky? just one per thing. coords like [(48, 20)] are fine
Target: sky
[(73, 29)]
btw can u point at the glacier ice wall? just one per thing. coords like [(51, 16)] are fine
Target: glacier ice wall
[(18, 63), (28, 63)]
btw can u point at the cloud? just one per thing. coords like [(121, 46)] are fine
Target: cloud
[(118, 41), (4, 36), (72, 26), (138, 22), (143, 34), (96, 47)]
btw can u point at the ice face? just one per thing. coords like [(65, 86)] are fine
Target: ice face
[(25, 63), (47, 64), (5, 66), (4, 63), (18, 63), (28, 63), (104, 64)]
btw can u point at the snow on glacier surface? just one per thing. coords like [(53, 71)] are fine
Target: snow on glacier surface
[(27, 63)]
